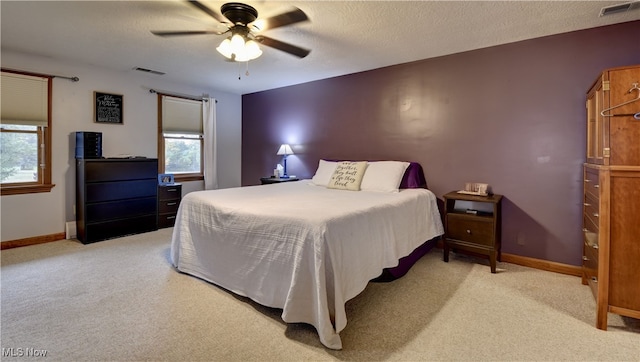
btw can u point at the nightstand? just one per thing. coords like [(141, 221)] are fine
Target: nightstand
[(274, 180), (169, 197), (473, 230)]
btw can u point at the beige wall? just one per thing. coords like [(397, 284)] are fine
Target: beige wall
[(24, 216)]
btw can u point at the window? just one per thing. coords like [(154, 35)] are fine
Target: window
[(180, 141), (182, 153), (19, 145), (25, 133)]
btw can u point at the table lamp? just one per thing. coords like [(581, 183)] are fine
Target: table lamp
[(285, 150)]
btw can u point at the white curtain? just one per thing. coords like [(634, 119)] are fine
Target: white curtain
[(210, 153)]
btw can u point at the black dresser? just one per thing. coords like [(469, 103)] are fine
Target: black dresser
[(115, 197)]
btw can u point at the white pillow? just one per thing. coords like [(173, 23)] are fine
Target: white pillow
[(383, 176), (324, 172), (348, 175)]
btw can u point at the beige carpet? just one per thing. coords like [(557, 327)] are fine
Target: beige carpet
[(121, 300)]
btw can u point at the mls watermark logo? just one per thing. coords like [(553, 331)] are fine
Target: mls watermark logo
[(23, 352)]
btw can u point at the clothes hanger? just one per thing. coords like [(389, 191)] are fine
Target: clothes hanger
[(636, 116)]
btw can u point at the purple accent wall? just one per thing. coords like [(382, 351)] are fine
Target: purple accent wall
[(512, 116)]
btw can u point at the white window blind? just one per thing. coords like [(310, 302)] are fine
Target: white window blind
[(181, 115), (25, 99)]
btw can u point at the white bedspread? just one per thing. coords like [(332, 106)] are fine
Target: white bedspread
[(302, 248)]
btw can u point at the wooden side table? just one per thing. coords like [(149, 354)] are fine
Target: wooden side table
[(471, 230), (274, 180)]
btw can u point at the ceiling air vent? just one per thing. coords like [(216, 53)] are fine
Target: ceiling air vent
[(607, 10), (148, 71)]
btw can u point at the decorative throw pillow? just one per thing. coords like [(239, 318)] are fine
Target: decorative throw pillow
[(383, 176), (324, 172), (348, 175)]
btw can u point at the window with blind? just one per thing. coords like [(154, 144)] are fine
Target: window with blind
[(25, 133), (180, 141)]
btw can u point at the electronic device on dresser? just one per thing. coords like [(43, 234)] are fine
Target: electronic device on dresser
[(115, 197), (611, 204), (88, 144)]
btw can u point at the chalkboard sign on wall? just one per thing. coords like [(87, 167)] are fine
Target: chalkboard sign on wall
[(108, 108)]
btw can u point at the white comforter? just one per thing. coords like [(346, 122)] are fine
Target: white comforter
[(305, 249)]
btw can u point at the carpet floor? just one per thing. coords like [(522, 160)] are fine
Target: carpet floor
[(121, 300)]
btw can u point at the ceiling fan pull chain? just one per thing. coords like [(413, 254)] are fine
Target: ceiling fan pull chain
[(247, 72)]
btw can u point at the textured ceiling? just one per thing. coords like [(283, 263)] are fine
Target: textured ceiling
[(344, 36)]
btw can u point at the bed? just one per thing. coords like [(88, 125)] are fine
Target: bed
[(303, 247)]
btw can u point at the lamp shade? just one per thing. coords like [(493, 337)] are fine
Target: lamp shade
[(225, 48), (285, 149)]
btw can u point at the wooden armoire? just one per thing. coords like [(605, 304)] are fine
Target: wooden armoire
[(611, 211)]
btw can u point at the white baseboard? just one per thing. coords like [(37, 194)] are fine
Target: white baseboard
[(71, 230)]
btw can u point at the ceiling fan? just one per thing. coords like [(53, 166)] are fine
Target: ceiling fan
[(242, 21)]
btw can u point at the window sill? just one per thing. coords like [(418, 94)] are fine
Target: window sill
[(30, 189), (185, 178)]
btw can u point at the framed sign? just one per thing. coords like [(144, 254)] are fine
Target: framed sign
[(108, 108), (165, 179)]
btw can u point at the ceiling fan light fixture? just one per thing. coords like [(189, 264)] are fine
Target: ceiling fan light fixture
[(242, 45), (239, 49)]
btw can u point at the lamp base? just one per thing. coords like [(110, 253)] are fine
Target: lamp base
[(284, 174)]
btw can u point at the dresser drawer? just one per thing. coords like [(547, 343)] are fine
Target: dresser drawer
[(116, 228), (592, 212), (475, 230), (591, 238), (172, 192), (591, 256), (591, 202), (590, 266), (592, 279), (115, 170), (120, 209), (110, 191), (592, 184), (166, 220), (168, 206)]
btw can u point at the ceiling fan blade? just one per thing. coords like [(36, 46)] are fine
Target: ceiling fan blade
[(288, 18), (186, 32), (208, 11), (285, 47)]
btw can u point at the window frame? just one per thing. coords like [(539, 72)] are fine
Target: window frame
[(43, 184), (178, 177)]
